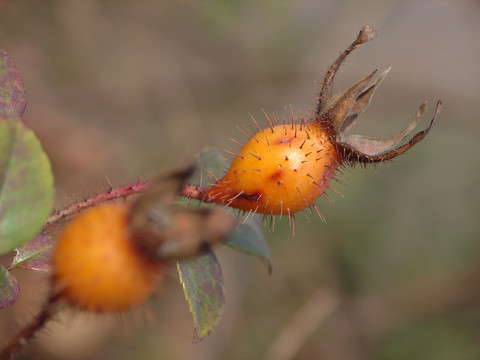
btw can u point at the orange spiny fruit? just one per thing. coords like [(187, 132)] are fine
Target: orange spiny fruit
[(96, 265), (281, 170)]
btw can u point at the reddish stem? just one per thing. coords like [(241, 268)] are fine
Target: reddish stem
[(22, 338), (193, 192), (59, 216)]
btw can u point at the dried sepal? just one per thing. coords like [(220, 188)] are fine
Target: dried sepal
[(340, 105), (339, 112), (366, 34), (167, 231), (361, 103), (162, 192), (191, 231), (377, 145), (351, 154), (150, 213)]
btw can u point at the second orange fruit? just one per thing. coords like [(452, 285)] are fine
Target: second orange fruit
[(96, 265)]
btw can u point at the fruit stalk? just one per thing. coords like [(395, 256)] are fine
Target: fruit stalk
[(23, 337)]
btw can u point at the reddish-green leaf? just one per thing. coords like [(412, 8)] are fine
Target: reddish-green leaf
[(35, 254), (202, 282), (248, 238), (9, 289), (12, 93), (26, 185)]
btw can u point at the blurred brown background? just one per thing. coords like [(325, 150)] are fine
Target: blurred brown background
[(126, 89)]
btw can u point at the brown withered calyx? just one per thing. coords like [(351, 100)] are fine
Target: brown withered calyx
[(339, 113), (166, 231)]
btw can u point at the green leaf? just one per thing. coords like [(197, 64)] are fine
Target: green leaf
[(35, 254), (9, 289), (211, 160), (26, 185), (202, 282), (248, 238), (12, 92)]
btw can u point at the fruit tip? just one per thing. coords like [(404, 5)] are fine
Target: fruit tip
[(366, 34)]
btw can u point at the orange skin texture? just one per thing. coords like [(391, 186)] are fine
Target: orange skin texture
[(280, 171), (96, 266)]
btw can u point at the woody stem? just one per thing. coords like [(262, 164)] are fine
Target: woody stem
[(59, 216), (31, 329)]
